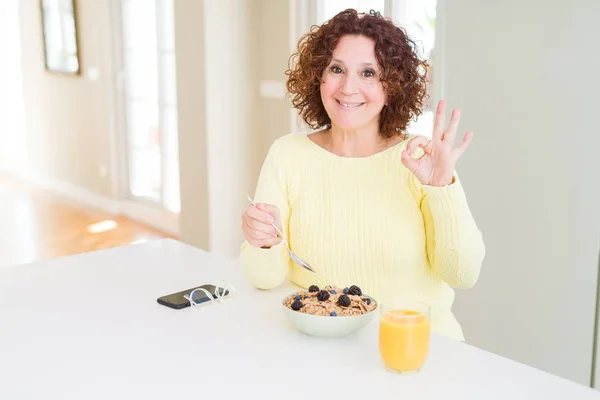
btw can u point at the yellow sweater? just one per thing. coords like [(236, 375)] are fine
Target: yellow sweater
[(369, 222)]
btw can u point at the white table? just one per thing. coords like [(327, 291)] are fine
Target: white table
[(89, 327)]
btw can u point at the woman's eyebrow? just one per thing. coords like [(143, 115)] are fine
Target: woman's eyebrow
[(368, 64)]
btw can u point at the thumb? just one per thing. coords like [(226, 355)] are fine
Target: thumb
[(409, 162), (268, 208)]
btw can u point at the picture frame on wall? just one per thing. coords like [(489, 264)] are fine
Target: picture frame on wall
[(59, 32)]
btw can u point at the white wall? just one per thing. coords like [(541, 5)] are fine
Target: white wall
[(526, 75), (217, 97), (191, 120), (66, 137), (232, 94), (13, 150)]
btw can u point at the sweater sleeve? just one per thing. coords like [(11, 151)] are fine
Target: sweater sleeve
[(455, 245), (268, 268)]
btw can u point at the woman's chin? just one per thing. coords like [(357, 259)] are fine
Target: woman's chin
[(349, 125)]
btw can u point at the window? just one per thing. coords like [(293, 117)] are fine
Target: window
[(418, 17), (151, 102), (328, 8)]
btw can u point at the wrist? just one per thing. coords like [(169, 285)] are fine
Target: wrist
[(440, 182)]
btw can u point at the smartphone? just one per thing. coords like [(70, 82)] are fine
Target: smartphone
[(178, 301)]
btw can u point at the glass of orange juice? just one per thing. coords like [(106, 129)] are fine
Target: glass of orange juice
[(404, 335)]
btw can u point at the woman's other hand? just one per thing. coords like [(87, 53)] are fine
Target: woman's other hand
[(436, 166), (257, 228)]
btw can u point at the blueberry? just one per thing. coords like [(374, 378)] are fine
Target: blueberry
[(355, 290), (344, 301), (346, 291), (368, 301), (333, 291), (313, 288), (297, 305), (323, 295), (298, 297), (333, 314)]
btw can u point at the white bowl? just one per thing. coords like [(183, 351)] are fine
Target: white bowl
[(328, 326)]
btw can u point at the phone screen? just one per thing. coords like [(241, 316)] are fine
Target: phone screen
[(177, 300)]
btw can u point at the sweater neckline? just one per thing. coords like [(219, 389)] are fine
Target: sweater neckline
[(371, 157)]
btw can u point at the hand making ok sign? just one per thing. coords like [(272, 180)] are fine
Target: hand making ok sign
[(436, 166)]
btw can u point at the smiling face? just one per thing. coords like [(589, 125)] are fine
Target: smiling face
[(351, 91)]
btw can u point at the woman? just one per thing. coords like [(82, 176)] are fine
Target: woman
[(359, 200)]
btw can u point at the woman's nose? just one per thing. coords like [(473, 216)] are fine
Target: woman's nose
[(349, 85)]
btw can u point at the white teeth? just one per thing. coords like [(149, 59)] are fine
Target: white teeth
[(351, 105)]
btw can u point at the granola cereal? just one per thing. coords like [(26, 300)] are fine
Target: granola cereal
[(330, 301)]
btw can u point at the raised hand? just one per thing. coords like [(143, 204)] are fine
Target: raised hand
[(257, 228), (436, 166)]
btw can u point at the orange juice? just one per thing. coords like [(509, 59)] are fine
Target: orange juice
[(404, 339)]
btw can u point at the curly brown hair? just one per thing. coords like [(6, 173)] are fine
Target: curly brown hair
[(403, 73)]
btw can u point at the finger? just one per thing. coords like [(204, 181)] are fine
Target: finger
[(273, 211), (258, 226), (409, 162), (417, 141), (438, 125), (269, 209), (259, 239), (257, 235), (452, 127), (259, 215), (270, 242), (264, 243), (459, 151)]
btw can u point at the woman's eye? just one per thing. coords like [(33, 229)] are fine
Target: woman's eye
[(336, 70), (369, 73)]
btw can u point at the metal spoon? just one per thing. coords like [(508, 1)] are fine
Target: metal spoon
[(293, 255)]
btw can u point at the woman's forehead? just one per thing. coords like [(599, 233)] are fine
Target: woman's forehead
[(354, 49)]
